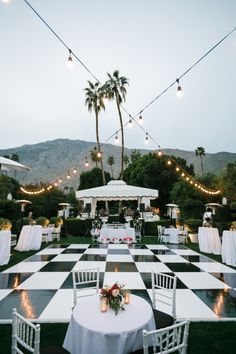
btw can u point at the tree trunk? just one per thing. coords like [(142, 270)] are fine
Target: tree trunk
[(122, 137)]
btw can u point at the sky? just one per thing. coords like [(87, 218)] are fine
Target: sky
[(151, 42)]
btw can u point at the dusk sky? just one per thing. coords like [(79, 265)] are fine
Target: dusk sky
[(151, 42)]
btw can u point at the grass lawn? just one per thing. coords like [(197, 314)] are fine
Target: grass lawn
[(204, 337)]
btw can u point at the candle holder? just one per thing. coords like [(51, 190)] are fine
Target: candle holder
[(103, 305), (127, 298)]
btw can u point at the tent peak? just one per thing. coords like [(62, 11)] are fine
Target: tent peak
[(115, 182)]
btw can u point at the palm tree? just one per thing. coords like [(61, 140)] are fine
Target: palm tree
[(94, 101), (111, 162), (200, 151), (116, 90), (126, 159), (94, 156)]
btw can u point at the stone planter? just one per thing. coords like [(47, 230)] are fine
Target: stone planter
[(193, 238)]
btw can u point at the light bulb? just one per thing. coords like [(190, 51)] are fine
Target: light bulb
[(99, 154), (130, 123), (179, 89), (70, 62), (116, 139), (146, 139), (140, 120)]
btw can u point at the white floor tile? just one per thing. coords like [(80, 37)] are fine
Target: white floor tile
[(157, 247), (26, 267), (188, 305), (79, 246), (44, 280), (141, 252), (147, 267), (200, 280), (5, 292), (185, 252), (66, 257), (51, 251), (214, 267), (59, 308), (132, 280), (117, 246), (96, 251), (119, 258), (90, 265)]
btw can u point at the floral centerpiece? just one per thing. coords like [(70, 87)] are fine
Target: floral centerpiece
[(114, 296)]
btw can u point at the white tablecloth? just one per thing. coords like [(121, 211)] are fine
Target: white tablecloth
[(229, 247), (172, 234), (30, 238), (92, 332), (5, 247), (117, 233), (209, 240)]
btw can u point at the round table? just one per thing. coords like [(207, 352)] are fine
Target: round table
[(209, 240), (5, 246), (92, 331), (229, 248)]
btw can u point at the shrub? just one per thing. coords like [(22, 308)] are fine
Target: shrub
[(5, 224), (42, 220), (193, 225), (56, 220), (78, 227)]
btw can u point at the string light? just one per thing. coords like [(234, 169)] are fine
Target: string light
[(75, 170), (70, 62), (130, 123), (116, 139), (140, 119), (179, 89), (68, 175), (99, 154), (146, 139), (86, 162)]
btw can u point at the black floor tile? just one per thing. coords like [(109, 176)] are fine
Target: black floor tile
[(227, 278), (118, 251), (196, 258), (182, 267), (40, 258), (93, 257), (12, 280), (58, 267), (73, 251), (221, 301), (29, 303), (121, 267), (163, 252)]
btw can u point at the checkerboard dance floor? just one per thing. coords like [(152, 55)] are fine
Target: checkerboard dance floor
[(41, 288)]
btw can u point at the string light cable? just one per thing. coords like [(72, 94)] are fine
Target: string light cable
[(152, 101)]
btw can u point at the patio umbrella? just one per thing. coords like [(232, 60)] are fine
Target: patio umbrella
[(6, 164)]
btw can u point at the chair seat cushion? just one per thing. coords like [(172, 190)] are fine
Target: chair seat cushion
[(162, 319)]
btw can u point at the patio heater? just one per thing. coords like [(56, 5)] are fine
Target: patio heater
[(22, 203)]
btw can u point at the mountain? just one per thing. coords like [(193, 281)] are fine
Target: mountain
[(53, 159)]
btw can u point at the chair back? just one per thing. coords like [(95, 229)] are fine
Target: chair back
[(84, 280), (24, 335), (164, 292), (96, 224), (167, 340)]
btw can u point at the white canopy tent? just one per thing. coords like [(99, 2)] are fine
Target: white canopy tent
[(6, 164), (116, 190)]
